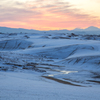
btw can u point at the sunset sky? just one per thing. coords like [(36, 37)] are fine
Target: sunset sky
[(49, 14)]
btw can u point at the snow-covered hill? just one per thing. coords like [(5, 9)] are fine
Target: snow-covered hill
[(61, 62)]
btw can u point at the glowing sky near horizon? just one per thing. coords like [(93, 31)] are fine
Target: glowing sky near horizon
[(49, 14)]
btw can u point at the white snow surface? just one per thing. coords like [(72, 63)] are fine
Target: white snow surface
[(49, 66), (29, 86)]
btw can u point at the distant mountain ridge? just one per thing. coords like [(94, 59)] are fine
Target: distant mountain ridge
[(89, 30), (16, 30)]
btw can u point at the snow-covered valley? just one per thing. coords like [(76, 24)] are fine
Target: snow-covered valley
[(49, 66)]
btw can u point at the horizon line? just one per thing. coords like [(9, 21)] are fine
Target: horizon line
[(50, 29)]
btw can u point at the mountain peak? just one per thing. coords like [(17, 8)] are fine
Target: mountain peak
[(92, 28), (78, 29)]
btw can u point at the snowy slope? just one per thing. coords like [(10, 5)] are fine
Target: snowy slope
[(14, 44), (31, 87), (49, 66)]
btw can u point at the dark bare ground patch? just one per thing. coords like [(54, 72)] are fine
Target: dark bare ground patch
[(94, 81), (98, 76), (61, 81)]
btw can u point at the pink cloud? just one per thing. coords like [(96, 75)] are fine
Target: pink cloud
[(36, 15)]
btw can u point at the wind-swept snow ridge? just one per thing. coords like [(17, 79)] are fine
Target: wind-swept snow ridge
[(14, 44), (72, 50)]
